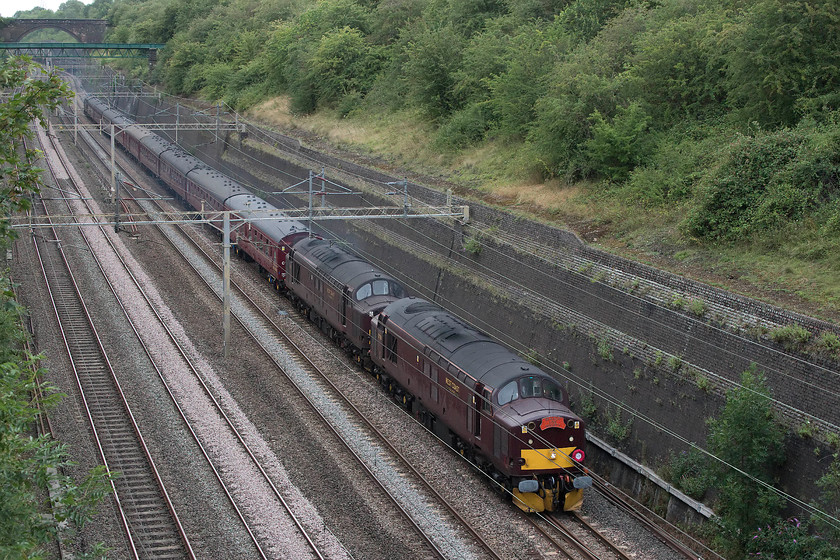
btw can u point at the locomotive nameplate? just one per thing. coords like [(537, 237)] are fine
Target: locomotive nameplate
[(452, 386)]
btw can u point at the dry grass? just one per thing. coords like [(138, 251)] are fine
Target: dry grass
[(501, 174)]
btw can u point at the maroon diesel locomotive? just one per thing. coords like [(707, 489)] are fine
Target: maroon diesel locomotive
[(504, 413)]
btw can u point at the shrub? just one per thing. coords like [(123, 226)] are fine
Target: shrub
[(588, 409), (697, 307), (688, 471), (605, 349), (829, 342), (746, 434), (619, 145), (675, 363), (465, 128), (617, 429), (765, 181), (788, 538), (472, 245), (791, 335)]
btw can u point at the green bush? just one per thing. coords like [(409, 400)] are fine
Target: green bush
[(616, 429), (433, 58), (688, 471), (789, 538), (828, 342), (465, 128), (792, 336), (618, 145), (765, 181), (746, 435)]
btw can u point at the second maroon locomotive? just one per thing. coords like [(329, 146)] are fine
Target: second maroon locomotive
[(503, 413)]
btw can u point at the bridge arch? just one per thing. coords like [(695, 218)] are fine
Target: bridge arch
[(83, 30)]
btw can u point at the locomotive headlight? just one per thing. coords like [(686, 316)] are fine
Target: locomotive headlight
[(554, 455), (578, 455)]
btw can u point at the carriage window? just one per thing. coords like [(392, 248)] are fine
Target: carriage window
[(509, 392)]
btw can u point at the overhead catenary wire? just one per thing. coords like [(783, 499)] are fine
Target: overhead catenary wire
[(625, 408), (736, 383)]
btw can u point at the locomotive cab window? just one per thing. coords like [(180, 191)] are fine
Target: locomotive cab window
[(528, 387), (509, 392), (379, 288), (552, 391)]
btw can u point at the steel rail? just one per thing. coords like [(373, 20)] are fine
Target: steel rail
[(314, 407), (611, 493), (300, 353), (307, 398), (130, 527), (221, 412)]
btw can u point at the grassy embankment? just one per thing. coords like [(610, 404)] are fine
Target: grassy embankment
[(780, 271)]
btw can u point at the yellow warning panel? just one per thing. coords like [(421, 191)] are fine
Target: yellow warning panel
[(542, 459)]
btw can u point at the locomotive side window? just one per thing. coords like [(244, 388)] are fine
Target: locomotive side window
[(488, 394), (391, 345), (509, 392)]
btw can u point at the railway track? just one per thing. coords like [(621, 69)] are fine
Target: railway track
[(214, 414), (648, 519), (147, 515), (574, 537), (268, 335), (440, 543), (301, 355)]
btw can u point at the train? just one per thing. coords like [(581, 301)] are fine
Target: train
[(503, 413)]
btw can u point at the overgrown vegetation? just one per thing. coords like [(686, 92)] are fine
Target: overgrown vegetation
[(746, 446), (30, 465), (705, 124), (617, 430)]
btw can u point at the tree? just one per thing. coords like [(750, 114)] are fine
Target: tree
[(783, 56), (18, 175), (342, 63), (748, 441), (29, 465), (434, 55), (617, 147)]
